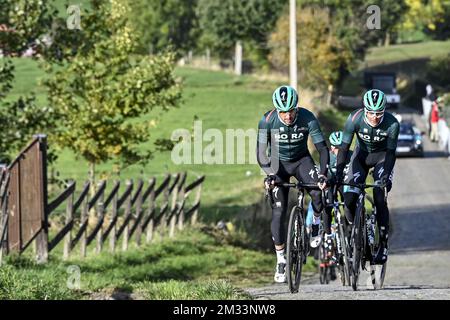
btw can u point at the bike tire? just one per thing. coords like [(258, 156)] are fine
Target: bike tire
[(358, 244), (345, 252), (296, 249)]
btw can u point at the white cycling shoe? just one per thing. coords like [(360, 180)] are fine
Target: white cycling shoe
[(280, 273)]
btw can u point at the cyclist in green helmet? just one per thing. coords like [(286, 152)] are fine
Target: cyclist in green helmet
[(282, 152), (377, 134)]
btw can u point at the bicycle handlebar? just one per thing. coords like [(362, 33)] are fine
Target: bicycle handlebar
[(299, 185), (363, 185)]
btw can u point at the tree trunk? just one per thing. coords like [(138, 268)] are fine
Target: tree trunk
[(92, 177), (329, 94), (387, 39), (208, 57), (238, 59)]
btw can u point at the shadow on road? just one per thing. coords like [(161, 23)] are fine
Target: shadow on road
[(435, 154), (407, 232)]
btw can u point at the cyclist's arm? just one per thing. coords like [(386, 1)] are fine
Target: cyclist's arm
[(262, 147), (389, 161), (347, 138), (324, 157), (320, 144)]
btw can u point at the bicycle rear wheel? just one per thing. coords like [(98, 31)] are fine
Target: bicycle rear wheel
[(378, 272), (296, 248), (323, 265)]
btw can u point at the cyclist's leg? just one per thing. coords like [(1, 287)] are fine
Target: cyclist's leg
[(357, 173), (382, 212), (327, 212), (279, 208), (309, 215), (306, 172)]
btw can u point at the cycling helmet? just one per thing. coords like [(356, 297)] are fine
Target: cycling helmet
[(336, 138), (285, 98), (374, 100)]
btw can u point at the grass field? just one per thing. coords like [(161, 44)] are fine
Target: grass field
[(198, 264), (395, 53)]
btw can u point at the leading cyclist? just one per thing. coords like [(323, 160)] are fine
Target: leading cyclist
[(282, 152), (377, 134)]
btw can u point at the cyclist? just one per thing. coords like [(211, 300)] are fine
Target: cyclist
[(282, 152), (377, 134), (335, 140)]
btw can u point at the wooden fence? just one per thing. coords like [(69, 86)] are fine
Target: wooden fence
[(141, 209)]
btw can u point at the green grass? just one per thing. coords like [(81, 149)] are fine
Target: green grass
[(395, 53), (197, 264)]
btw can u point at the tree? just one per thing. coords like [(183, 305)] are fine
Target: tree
[(22, 25), (431, 17), (225, 23), (101, 90), (392, 13), (160, 24), (321, 56)]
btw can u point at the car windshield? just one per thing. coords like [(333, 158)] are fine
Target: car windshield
[(406, 130)]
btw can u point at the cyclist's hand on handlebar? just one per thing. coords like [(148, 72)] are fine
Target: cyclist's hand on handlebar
[(323, 181), (270, 181), (385, 182)]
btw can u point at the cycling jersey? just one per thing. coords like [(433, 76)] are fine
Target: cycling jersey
[(290, 141), (372, 139)]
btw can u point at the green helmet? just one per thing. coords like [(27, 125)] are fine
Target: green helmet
[(285, 98), (374, 100), (336, 138)]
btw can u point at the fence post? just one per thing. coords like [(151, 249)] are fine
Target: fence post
[(112, 237), (69, 218), (127, 213), (84, 219), (42, 237), (3, 229), (100, 215), (138, 213), (151, 211), (163, 222), (197, 199), (173, 206), (181, 202)]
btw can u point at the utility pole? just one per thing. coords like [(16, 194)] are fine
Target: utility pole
[(293, 43), (238, 59)]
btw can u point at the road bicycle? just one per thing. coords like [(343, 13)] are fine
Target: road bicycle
[(364, 240)]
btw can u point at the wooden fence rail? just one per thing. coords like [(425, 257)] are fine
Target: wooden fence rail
[(116, 216)]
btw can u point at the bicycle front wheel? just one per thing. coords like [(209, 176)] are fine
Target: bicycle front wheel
[(345, 268), (296, 248), (357, 244)]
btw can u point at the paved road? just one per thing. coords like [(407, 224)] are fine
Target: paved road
[(419, 261)]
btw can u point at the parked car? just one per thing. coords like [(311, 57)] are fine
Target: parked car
[(409, 140)]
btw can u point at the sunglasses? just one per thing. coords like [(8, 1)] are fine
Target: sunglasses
[(374, 114)]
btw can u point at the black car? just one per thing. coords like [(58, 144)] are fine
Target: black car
[(409, 140)]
